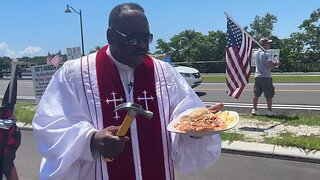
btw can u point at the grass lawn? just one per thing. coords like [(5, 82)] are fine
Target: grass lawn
[(232, 136), (288, 120), (25, 112), (306, 143)]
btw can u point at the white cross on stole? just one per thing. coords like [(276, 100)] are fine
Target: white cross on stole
[(145, 98), (114, 100)]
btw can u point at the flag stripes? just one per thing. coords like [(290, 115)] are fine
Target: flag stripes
[(55, 59), (49, 58), (238, 55)]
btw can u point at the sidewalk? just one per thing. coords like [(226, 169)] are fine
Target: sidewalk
[(270, 151), (254, 149)]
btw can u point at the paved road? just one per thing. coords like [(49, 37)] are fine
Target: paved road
[(295, 97), (286, 93), (27, 159), (228, 167), (25, 87), (290, 98)]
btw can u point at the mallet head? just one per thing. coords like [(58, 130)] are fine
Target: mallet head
[(137, 108)]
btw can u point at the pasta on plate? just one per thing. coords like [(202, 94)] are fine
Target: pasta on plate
[(202, 122)]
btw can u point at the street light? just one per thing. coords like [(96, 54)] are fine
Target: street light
[(69, 11)]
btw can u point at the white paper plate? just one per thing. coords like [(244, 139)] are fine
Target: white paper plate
[(174, 122)]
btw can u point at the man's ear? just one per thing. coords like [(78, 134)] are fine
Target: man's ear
[(109, 36)]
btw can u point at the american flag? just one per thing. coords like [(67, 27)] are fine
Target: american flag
[(49, 57), (238, 56), (55, 60)]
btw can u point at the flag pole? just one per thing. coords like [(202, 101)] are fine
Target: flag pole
[(244, 31), (14, 64)]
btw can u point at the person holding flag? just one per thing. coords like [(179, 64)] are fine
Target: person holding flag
[(263, 80), (10, 135), (238, 69)]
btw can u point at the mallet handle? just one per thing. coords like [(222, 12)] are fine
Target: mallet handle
[(122, 131), (108, 159), (125, 126)]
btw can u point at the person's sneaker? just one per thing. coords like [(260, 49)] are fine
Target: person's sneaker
[(254, 112), (270, 113)]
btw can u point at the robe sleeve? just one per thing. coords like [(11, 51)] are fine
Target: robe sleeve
[(190, 154), (61, 127)]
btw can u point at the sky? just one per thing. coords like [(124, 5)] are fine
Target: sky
[(36, 27)]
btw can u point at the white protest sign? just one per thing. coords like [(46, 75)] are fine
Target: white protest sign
[(73, 53), (41, 76), (274, 54)]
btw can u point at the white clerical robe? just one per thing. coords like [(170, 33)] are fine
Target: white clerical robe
[(69, 113)]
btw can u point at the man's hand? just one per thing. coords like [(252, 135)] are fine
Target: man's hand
[(272, 64), (276, 64), (216, 108), (107, 143)]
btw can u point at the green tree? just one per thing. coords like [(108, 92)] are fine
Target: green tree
[(263, 26), (5, 62), (181, 46), (162, 47), (97, 48), (217, 46), (195, 49), (290, 53), (311, 35), (300, 52)]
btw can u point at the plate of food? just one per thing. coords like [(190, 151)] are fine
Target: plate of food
[(201, 122)]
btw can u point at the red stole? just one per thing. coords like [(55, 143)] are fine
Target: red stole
[(149, 131)]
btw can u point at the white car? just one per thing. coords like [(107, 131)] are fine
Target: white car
[(191, 75)]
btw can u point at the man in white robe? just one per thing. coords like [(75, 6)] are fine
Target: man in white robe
[(75, 122)]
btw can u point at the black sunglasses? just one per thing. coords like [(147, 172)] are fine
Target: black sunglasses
[(135, 38)]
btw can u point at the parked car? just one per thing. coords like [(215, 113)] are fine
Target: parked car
[(191, 75)]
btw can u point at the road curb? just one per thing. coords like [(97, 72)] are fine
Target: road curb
[(25, 128), (270, 151), (274, 156)]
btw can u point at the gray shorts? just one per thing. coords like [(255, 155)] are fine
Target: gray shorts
[(264, 85)]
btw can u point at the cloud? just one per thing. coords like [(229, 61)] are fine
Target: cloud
[(5, 51), (29, 51)]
